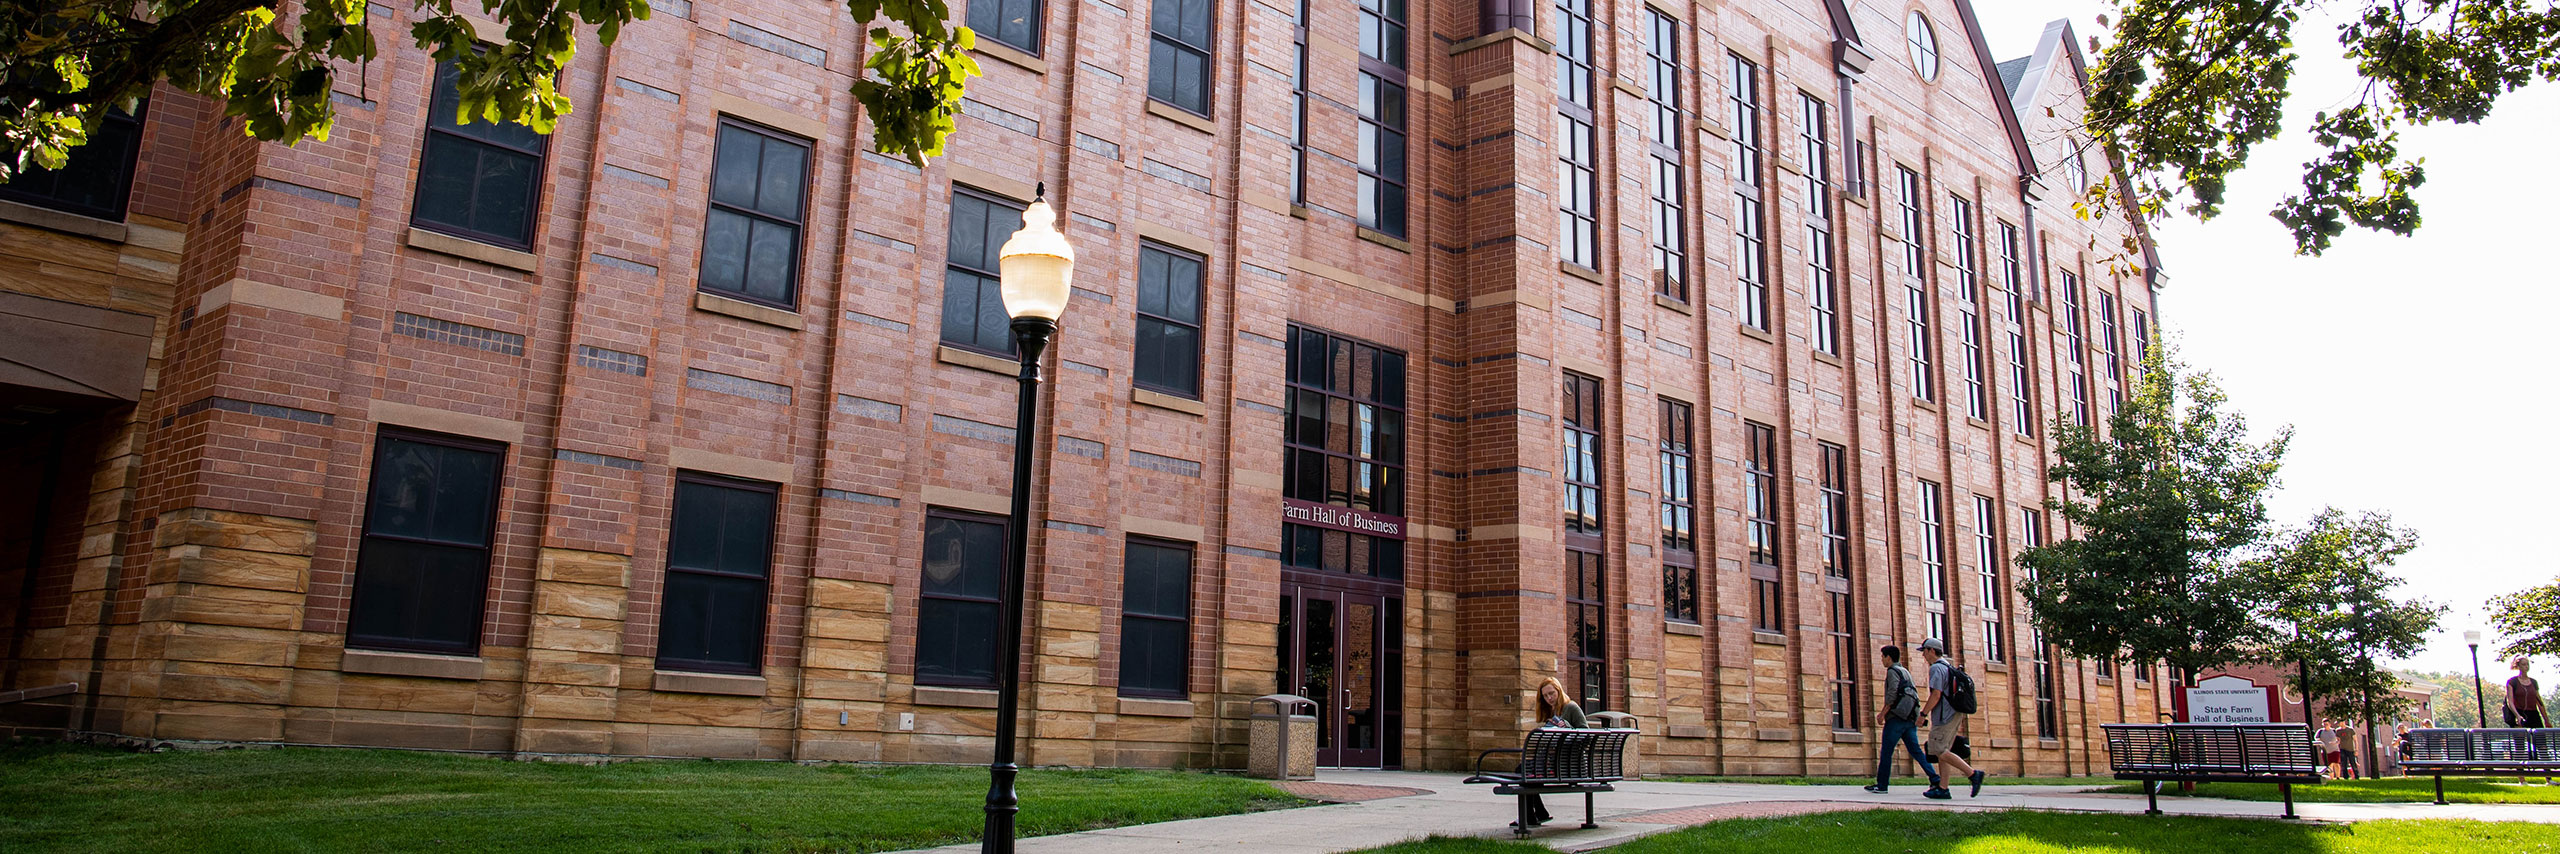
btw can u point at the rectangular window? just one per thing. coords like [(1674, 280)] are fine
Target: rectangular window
[(1582, 403), (751, 234), (1822, 282), (96, 179), (1155, 619), (1844, 663), (1977, 394), (1298, 107), (1169, 286), (1178, 54), (1012, 22), (1750, 223), (2022, 400), (2075, 340), (2111, 352), (1577, 167), (422, 569), (1915, 282), (1933, 542), (2141, 340), (1938, 626), (1835, 510), (479, 180), (1586, 612), (1662, 139), (961, 600), (1343, 444), (1382, 115), (2048, 712), (973, 315), (719, 558), (1679, 514), (1760, 518), (1986, 561)]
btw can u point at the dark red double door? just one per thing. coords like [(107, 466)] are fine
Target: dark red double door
[(1342, 646)]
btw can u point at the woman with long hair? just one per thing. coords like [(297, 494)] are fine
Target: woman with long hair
[(1553, 711)]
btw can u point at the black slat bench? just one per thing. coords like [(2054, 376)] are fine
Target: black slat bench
[(2480, 753), (1560, 761), (2282, 754)]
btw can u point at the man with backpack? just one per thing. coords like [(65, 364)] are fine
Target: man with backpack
[(1900, 719), (1950, 701)]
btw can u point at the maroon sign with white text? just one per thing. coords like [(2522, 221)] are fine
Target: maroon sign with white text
[(1341, 518)]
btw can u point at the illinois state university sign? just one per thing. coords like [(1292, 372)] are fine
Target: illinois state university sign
[(1341, 518)]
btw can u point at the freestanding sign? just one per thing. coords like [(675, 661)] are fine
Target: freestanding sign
[(2227, 699)]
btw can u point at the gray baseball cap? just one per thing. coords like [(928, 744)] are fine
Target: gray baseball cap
[(1934, 644)]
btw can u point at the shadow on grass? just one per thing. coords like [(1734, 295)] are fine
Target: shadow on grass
[(2460, 790), (2023, 832)]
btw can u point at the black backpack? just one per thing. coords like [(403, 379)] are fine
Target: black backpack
[(1906, 698), (1960, 690)]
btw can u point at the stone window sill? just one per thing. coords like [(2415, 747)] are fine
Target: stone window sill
[(1676, 627), (1161, 400), (1180, 116), (461, 247), (1770, 638), (1672, 304), (1848, 736), (729, 684), (1977, 422), (1682, 731), (957, 698), (422, 665), (781, 318), (950, 355), (1820, 356), (1996, 667), (1010, 55), (1581, 272), (1749, 331), (1154, 708), (1774, 735), (67, 223), (1383, 239)]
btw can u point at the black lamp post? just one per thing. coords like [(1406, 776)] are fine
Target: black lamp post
[(2479, 701), (1037, 267)]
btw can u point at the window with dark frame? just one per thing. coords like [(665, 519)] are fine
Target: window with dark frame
[(1670, 162), (422, 567), (1155, 619), (1170, 282), (711, 616), (96, 179), (1577, 167), (1968, 248), (1586, 611), (1822, 283), (1343, 445), (1933, 543), (1178, 53), (1835, 510), (2141, 341), (2075, 340), (1750, 219), (1841, 629), (2111, 343), (480, 181), (1586, 592), (1298, 106), (2013, 287), (1987, 563), (1760, 518), (973, 315), (1011, 22), (2048, 712), (1915, 282), (1679, 513), (961, 599), (1382, 116), (1582, 404), (751, 233)]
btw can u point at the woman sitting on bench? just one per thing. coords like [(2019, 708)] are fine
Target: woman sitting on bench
[(1553, 711)]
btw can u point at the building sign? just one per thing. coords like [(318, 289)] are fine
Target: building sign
[(1330, 517), (2227, 699)]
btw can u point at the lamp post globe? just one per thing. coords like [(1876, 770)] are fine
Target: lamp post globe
[(1037, 268)]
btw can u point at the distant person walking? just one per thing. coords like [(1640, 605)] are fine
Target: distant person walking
[(2328, 733), (2524, 696), (2347, 747), (1950, 702), (1900, 719)]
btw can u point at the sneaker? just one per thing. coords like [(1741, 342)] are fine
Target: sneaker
[(1977, 784), (1938, 794), (1878, 789)]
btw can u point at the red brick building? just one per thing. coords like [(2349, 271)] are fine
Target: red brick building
[(1683, 350)]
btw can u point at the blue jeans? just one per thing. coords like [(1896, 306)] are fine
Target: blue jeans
[(1907, 734)]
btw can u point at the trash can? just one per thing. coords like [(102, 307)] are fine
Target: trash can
[(1622, 720), (1282, 734)]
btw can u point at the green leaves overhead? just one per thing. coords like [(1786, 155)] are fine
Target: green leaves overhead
[(2184, 90), (2529, 619), (68, 62)]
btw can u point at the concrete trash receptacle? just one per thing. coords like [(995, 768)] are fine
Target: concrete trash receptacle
[(1281, 732), (1622, 720)]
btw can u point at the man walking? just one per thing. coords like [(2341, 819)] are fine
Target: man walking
[(1900, 719), (1945, 720)]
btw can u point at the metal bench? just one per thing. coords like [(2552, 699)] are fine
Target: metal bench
[(2480, 752), (1559, 761), (2282, 754)]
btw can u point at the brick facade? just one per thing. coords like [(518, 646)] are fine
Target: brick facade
[(196, 565)]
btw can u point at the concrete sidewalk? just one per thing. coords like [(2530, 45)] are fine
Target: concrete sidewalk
[(1638, 808)]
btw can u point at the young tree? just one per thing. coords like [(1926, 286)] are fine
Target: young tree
[(65, 63), (2168, 512), (2183, 90), (2529, 619), (2334, 613)]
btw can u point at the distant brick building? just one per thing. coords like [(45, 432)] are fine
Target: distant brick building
[(1684, 351)]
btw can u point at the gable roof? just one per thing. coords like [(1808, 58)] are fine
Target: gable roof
[(2011, 72)]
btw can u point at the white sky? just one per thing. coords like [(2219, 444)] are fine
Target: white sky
[(2403, 364)]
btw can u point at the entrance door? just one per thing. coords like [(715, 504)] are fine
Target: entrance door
[(1343, 649)]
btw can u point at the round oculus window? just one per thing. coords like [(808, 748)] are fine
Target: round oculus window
[(1923, 42)]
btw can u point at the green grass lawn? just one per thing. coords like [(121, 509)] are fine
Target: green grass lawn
[(1898, 782), (61, 798), (2460, 790), (2020, 832)]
